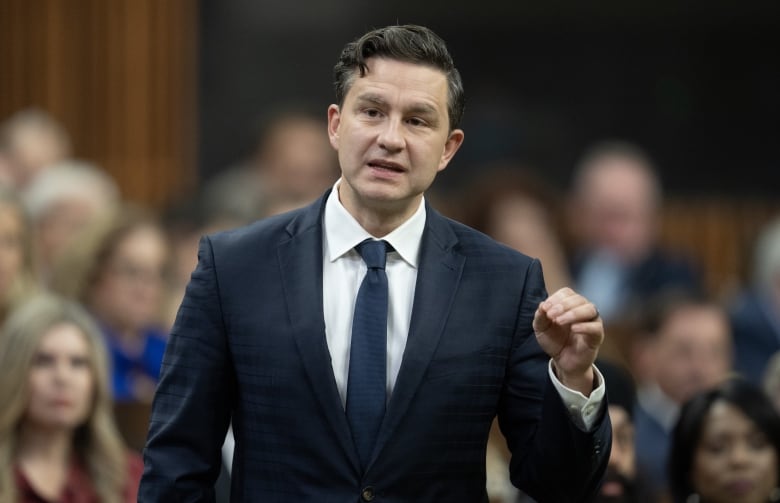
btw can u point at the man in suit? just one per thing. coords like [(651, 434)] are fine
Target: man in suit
[(265, 333), (755, 313), (616, 203)]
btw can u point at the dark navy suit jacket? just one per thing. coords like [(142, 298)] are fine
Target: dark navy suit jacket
[(756, 334), (249, 343)]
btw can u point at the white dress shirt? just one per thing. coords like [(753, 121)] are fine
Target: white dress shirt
[(342, 272)]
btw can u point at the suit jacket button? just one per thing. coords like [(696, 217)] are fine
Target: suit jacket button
[(367, 494)]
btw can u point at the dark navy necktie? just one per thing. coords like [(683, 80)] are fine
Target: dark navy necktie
[(367, 388)]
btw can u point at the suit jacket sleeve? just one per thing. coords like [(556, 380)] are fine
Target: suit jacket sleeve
[(194, 398), (553, 460)]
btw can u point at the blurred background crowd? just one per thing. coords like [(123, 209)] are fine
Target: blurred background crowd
[(634, 151)]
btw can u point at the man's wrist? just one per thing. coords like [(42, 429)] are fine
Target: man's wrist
[(584, 383)]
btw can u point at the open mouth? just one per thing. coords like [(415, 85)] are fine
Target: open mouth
[(386, 166)]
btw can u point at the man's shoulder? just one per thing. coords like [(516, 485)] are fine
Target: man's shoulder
[(473, 243), (269, 231), (259, 229)]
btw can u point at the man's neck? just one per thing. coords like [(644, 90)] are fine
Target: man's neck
[(378, 220)]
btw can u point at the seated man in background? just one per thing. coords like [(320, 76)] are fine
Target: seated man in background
[(64, 200), (755, 314), (291, 166), (31, 140), (618, 261), (622, 483), (684, 347)]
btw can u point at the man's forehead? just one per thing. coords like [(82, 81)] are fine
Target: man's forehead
[(410, 76), (372, 62)]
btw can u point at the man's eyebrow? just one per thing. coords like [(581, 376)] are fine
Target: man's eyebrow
[(423, 109), (416, 108), (371, 98)]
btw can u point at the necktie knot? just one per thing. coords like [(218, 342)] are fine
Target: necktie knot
[(374, 253)]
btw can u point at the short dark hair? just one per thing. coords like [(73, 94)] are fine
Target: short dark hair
[(409, 43), (659, 308), (737, 391)]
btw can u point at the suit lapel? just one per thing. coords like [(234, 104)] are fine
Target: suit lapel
[(438, 277), (300, 260)]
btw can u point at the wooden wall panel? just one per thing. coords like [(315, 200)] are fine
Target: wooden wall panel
[(719, 234), (120, 75)]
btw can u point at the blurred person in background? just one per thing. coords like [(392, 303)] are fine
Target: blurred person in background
[(30, 141), (292, 165), (726, 447), (684, 347), (622, 483), (515, 207), (17, 278), (6, 170), (771, 380), (615, 211), (63, 200), (58, 441), (116, 268), (755, 314)]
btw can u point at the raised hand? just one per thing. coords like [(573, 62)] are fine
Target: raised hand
[(570, 330)]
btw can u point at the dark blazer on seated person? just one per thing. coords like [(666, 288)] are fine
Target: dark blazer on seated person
[(249, 344)]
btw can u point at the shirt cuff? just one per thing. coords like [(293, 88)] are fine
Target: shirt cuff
[(583, 410)]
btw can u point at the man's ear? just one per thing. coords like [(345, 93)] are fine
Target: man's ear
[(334, 120), (453, 143)]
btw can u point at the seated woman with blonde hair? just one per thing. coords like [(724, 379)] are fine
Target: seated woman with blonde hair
[(58, 440)]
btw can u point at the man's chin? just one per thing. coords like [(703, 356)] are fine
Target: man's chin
[(616, 489)]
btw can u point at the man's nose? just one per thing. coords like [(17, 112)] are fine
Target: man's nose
[(391, 136)]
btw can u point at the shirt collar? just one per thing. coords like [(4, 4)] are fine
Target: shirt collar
[(342, 232)]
